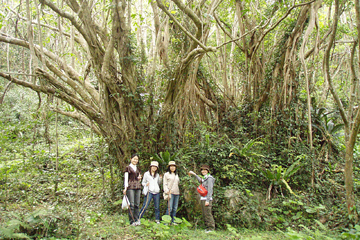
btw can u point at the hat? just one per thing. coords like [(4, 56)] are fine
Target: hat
[(172, 163), (154, 163), (206, 167)]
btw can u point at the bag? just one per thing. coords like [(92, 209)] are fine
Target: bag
[(125, 203), (166, 196), (202, 190), (145, 190)]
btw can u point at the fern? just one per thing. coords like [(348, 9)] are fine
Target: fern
[(11, 234)]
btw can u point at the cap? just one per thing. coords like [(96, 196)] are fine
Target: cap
[(154, 163), (172, 163), (205, 166)]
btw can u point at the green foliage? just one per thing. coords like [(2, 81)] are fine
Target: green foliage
[(164, 158), (329, 130), (246, 151), (322, 232), (1, 19), (38, 223), (278, 175), (353, 233), (165, 230), (233, 230)]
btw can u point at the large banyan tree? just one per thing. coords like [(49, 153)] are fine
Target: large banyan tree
[(124, 66)]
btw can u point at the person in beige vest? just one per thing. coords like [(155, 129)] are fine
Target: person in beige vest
[(171, 190)]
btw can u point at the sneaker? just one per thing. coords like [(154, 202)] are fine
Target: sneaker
[(133, 224), (157, 221), (174, 223), (138, 223), (208, 230)]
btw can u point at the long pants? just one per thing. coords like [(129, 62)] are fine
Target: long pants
[(207, 215), (172, 205), (146, 203), (134, 199)]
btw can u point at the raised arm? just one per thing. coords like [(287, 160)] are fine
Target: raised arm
[(197, 177)]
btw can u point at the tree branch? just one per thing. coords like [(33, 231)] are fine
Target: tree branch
[(72, 78), (80, 105), (326, 66), (206, 49), (80, 117), (229, 35), (278, 22), (71, 18), (55, 29), (7, 87), (190, 13)]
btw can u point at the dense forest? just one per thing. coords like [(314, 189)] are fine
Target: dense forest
[(264, 92)]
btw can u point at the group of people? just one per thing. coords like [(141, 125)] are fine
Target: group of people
[(151, 181)]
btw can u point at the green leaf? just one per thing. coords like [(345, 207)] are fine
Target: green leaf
[(178, 220), (288, 187), (21, 236), (166, 156), (322, 226), (166, 219), (117, 202)]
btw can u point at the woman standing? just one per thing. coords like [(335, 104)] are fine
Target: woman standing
[(206, 202), (132, 188), (171, 189), (151, 183)]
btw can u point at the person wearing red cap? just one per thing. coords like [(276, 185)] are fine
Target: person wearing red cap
[(206, 202)]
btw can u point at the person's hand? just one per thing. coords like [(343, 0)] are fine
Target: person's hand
[(206, 203), (148, 184), (192, 173), (124, 192)]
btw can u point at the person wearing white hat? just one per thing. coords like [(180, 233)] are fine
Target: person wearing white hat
[(171, 190), (151, 182)]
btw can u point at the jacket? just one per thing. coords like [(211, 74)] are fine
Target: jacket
[(208, 182), (154, 183)]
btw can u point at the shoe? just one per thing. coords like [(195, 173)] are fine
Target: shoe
[(174, 223), (137, 223), (157, 221), (208, 230)]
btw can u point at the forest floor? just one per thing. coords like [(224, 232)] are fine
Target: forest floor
[(82, 221)]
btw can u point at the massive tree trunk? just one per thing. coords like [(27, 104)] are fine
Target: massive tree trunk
[(182, 93)]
